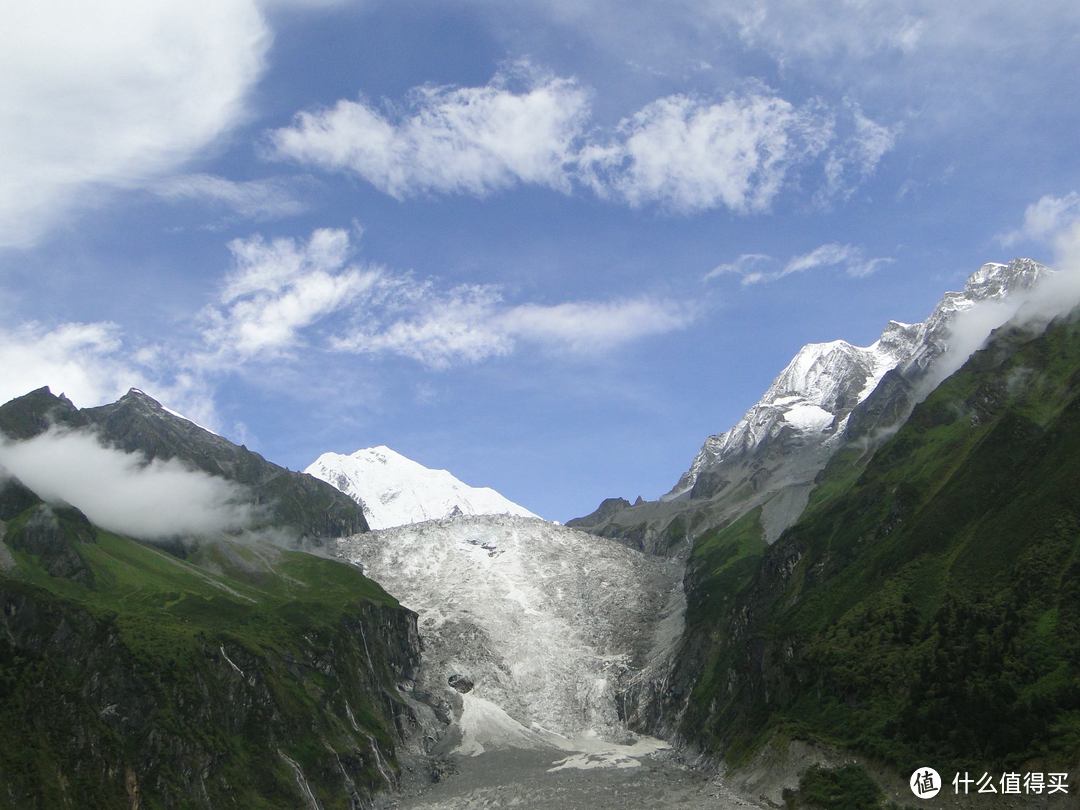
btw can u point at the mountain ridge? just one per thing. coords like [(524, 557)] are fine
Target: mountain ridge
[(924, 604), (213, 672), (137, 423), (772, 455)]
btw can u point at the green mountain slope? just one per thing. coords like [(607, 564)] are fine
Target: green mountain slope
[(129, 677), (926, 607)]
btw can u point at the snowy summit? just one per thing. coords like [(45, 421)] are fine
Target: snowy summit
[(394, 490)]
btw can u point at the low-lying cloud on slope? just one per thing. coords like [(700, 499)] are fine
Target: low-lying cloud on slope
[(1054, 296), (123, 492)]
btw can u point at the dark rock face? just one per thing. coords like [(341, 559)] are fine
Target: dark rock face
[(15, 499), (34, 413), (54, 534), (607, 508), (137, 423), (463, 683)]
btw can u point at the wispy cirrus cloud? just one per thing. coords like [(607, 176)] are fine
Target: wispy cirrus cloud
[(849, 258), (286, 295), (472, 323), (750, 267), (286, 302), (265, 199), (684, 153), (758, 268), (855, 158)]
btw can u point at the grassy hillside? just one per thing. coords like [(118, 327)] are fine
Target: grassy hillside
[(926, 607), (241, 677)]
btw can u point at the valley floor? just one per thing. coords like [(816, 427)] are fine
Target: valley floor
[(524, 778)]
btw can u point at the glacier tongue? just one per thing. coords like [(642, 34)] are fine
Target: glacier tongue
[(549, 623), (394, 490)]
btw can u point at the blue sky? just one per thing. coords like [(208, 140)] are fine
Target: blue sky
[(549, 246)]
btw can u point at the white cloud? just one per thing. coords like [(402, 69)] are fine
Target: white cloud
[(855, 29), (250, 199), (84, 360), (747, 266), (450, 140), (690, 154), (1045, 219), (592, 327), (1057, 294), (752, 268), (467, 324), (684, 153), (123, 492), (855, 158), (849, 257), (112, 94), (92, 364), (437, 330), (278, 289)]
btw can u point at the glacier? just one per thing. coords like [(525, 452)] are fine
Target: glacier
[(394, 490), (550, 624)]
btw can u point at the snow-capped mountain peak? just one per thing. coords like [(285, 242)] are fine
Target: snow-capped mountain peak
[(394, 490), (809, 401)]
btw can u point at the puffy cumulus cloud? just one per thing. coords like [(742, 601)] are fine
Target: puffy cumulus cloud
[(757, 268), (684, 153), (250, 199), (123, 492), (519, 128), (111, 94), (1045, 219), (279, 288), (690, 154)]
